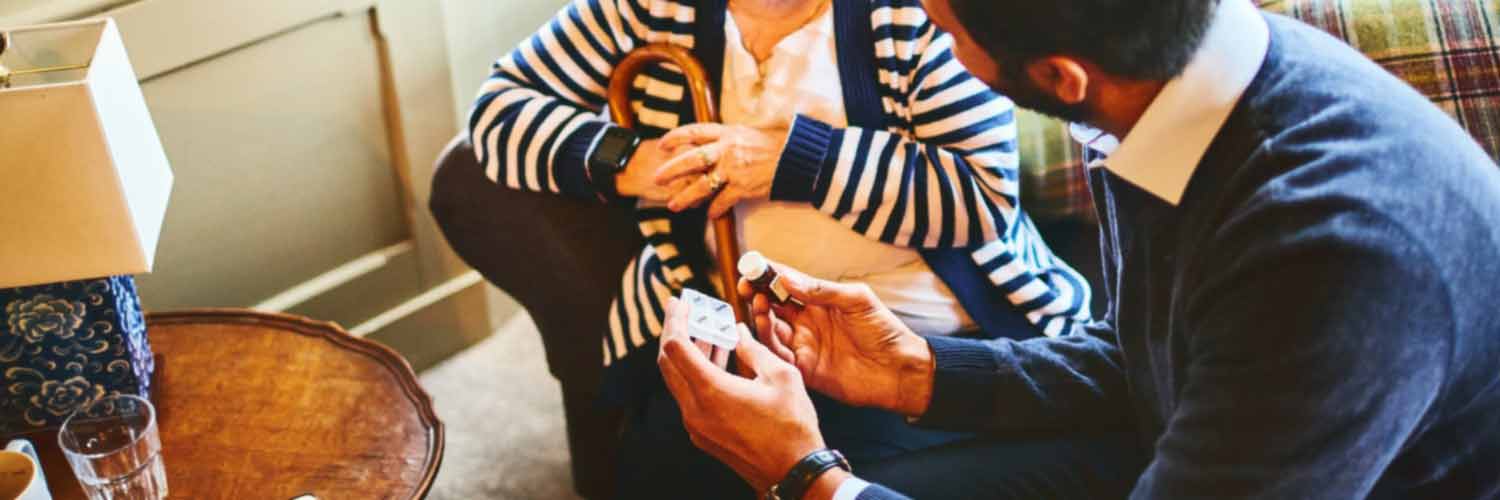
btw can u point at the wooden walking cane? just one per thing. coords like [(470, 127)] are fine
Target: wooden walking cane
[(706, 111)]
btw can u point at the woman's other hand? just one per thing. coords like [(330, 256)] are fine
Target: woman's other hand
[(744, 158), (638, 180)]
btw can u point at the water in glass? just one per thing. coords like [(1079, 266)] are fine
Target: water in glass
[(114, 449)]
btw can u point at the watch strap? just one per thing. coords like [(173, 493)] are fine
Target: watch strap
[(806, 472)]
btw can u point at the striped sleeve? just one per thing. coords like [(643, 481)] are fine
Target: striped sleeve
[(640, 309), (538, 113), (951, 181)]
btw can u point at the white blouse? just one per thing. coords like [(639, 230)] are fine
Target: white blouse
[(802, 77)]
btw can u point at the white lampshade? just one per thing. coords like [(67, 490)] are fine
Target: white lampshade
[(84, 181)]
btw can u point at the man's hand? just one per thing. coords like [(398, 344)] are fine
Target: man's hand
[(846, 343), (745, 157), (638, 180), (760, 426)]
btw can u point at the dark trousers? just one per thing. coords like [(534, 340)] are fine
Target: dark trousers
[(658, 461)]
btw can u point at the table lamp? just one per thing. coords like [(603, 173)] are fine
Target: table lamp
[(84, 183)]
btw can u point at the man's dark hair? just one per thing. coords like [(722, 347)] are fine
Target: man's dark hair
[(1137, 39)]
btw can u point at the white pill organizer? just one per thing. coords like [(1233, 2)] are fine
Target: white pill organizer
[(710, 320)]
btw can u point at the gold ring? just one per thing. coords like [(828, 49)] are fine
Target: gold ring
[(715, 181), (703, 155)]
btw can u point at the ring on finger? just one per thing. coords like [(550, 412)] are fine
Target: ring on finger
[(703, 156), (715, 181)]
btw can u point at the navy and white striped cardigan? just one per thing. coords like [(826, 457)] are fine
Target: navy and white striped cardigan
[(929, 160)]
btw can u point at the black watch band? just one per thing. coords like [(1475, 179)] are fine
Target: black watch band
[(609, 154), (806, 472)]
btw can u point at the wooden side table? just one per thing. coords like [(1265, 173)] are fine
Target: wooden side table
[(255, 405)]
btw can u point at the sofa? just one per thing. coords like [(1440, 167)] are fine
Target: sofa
[(562, 259)]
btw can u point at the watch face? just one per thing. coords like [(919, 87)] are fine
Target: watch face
[(614, 146)]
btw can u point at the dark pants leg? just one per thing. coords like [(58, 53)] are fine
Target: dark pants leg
[(560, 258), (1020, 468), (657, 459)]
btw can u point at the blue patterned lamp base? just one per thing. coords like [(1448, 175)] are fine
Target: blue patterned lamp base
[(67, 344)]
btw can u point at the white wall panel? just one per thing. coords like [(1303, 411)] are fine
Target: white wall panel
[(292, 152), (281, 174)]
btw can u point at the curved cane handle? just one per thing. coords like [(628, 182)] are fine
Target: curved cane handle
[(705, 111)]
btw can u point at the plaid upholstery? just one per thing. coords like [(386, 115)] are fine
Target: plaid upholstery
[(1448, 49), (1053, 186)]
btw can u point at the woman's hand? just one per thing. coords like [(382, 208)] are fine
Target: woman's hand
[(846, 343), (745, 159), (638, 180)]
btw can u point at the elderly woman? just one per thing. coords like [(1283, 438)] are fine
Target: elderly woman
[(853, 146)]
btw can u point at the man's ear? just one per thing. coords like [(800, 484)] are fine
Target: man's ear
[(1060, 76)]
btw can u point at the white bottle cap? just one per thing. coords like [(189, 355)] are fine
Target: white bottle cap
[(753, 265)]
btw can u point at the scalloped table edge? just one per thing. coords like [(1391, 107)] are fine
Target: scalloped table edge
[(332, 332)]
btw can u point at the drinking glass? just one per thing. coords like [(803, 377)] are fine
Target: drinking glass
[(113, 447)]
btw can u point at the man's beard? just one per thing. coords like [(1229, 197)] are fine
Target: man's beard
[(1014, 83)]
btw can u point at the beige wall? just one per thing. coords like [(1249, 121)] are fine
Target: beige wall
[(277, 123), (17, 12), (480, 31)]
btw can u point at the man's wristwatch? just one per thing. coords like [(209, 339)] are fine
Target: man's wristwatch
[(806, 472), (608, 156)]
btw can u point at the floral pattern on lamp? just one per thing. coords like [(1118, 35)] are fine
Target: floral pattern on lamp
[(68, 344)]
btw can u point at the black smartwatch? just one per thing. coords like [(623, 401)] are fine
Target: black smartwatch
[(609, 155), (806, 472)]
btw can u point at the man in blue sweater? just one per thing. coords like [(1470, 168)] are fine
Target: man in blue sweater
[(1302, 256)]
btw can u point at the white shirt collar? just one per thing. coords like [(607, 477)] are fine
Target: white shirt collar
[(1162, 151)]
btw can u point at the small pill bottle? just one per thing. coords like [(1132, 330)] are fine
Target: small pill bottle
[(757, 270)]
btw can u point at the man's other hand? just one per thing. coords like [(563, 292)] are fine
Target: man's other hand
[(760, 425), (846, 343)]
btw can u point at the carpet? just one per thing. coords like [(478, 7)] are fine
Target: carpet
[(503, 414)]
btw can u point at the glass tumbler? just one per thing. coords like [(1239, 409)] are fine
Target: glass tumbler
[(114, 449)]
